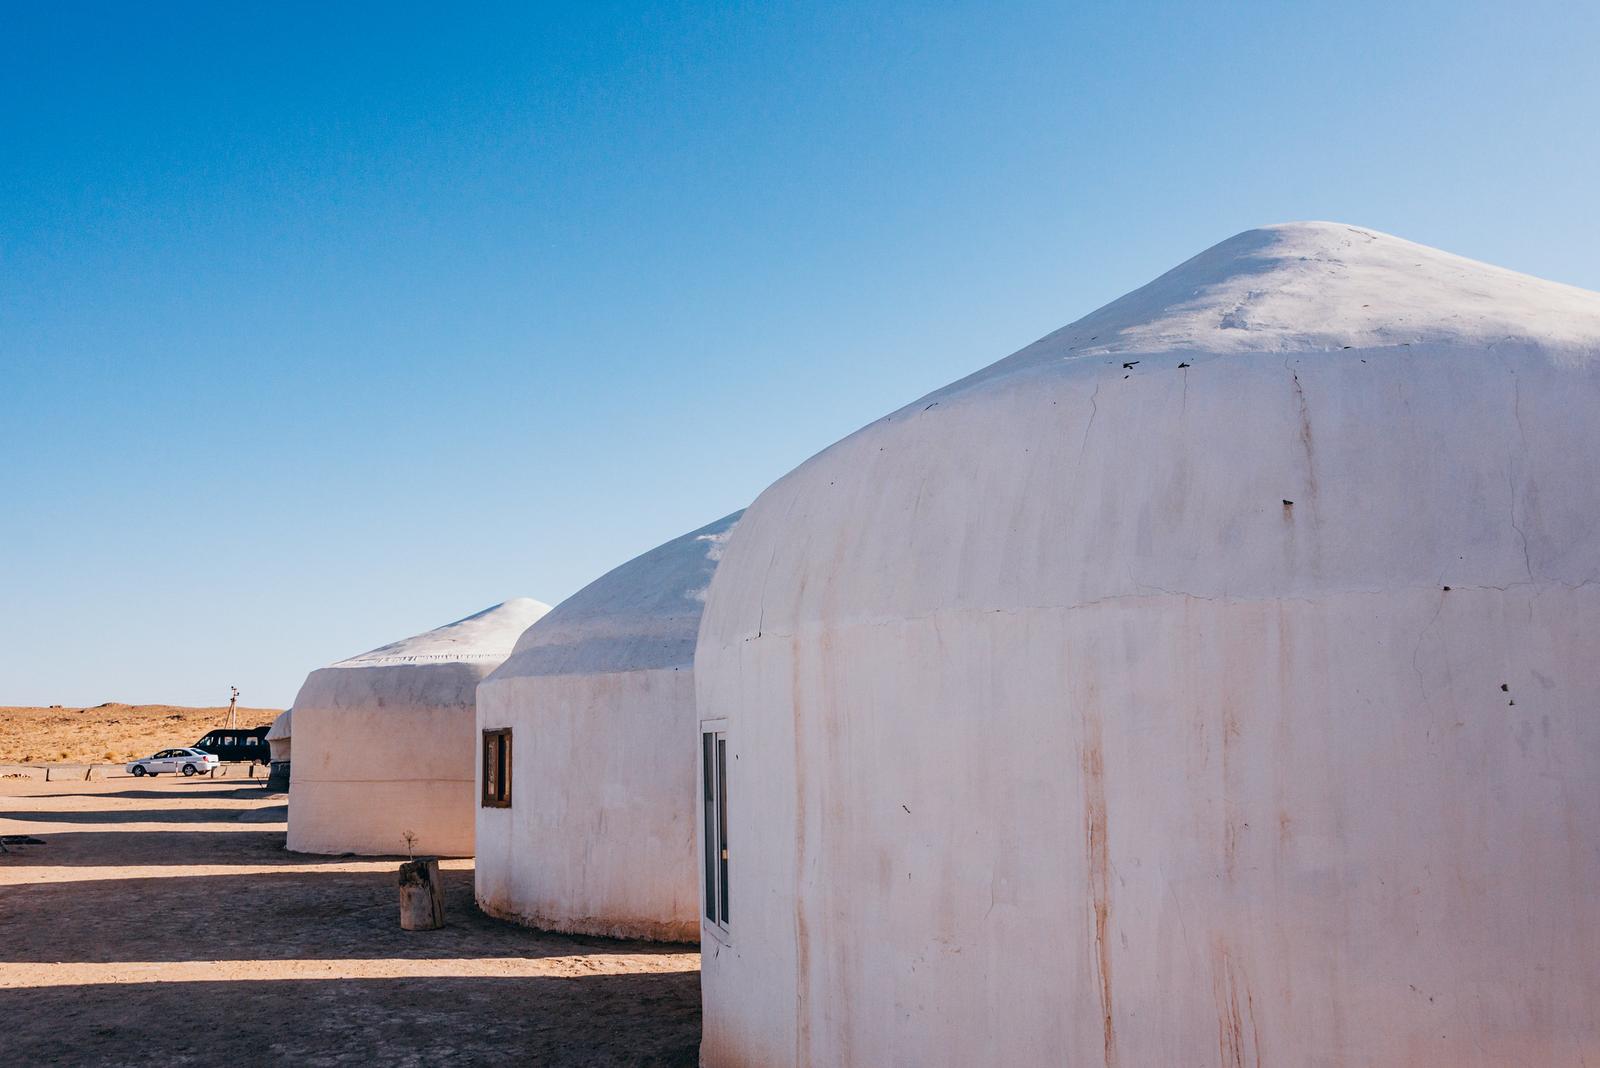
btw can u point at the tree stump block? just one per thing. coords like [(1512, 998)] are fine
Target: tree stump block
[(421, 895)]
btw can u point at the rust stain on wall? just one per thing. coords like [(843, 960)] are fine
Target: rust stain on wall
[(1098, 849), (802, 948), (1230, 811), (1238, 1049)]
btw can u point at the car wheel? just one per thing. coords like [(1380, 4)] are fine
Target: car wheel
[(189, 769), (138, 771)]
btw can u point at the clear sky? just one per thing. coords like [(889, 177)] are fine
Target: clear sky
[(325, 324)]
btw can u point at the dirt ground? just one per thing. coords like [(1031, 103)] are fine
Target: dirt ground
[(163, 920), (109, 733)]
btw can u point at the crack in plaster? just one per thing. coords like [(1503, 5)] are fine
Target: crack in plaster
[(1539, 587)]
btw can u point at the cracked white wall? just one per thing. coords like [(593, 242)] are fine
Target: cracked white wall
[(1242, 711)]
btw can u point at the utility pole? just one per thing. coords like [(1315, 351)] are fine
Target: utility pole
[(233, 705)]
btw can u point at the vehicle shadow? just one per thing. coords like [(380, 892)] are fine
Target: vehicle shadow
[(143, 815), (196, 787), (178, 789), (648, 1019)]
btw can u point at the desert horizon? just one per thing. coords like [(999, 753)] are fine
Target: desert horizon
[(110, 732)]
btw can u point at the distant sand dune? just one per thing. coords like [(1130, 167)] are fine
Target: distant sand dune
[(109, 732)]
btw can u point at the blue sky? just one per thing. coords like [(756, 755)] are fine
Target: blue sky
[(322, 325)]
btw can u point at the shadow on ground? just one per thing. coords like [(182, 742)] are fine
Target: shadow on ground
[(644, 1019), (148, 815), (328, 915), (156, 848), (190, 787), (168, 897)]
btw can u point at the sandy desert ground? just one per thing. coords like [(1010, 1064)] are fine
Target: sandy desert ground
[(109, 733), (163, 921)]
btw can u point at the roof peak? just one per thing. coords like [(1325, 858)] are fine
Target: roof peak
[(1300, 286), (486, 635), (642, 614)]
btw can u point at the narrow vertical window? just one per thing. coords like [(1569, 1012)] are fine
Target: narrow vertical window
[(714, 774), (722, 828), (497, 768), (708, 774)]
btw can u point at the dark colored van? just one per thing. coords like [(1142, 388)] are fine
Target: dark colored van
[(229, 743)]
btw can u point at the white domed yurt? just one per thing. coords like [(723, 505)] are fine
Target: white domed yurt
[(587, 786), (386, 742), (278, 736), (1215, 679), (278, 749)]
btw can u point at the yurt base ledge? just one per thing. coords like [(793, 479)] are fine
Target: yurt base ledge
[(633, 930)]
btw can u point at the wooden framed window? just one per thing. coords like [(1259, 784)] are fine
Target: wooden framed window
[(714, 775), (497, 768)]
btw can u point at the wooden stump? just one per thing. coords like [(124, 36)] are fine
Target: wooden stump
[(421, 895)]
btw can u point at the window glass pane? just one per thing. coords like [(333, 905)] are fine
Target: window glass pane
[(496, 769), (708, 772), (722, 826)]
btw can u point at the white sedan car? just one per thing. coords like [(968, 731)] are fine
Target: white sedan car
[(188, 761)]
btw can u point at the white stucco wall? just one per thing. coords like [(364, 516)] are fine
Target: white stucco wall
[(600, 835), (1058, 737), (384, 741)]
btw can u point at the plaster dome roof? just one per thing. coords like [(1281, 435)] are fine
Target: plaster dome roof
[(486, 635), (458, 653), (281, 725), (640, 615), (1258, 321), (1303, 287)]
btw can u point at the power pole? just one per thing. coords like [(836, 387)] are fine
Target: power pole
[(233, 706)]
